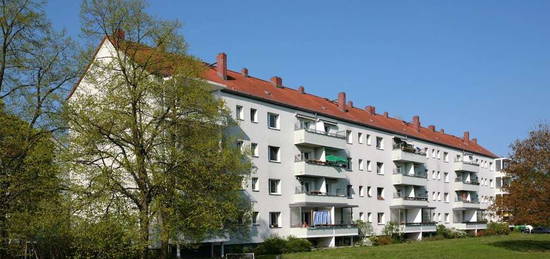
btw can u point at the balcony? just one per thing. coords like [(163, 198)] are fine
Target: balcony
[(470, 225), (315, 197), (463, 185), (325, 231), (462, 165), (407, 153), (317, 138), (400, 201), (418, 179), (318, 168), (418, 227), (462, 204)]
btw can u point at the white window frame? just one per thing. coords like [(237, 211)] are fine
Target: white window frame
[(271, 223), (254, 149), (254, 115), (380, 144), (349, 136), (277, 121), (360, 137), (278, 186), (239, 112), (278, 153), (361, 164), (255, 184)]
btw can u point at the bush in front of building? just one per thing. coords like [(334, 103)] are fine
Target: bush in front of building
[(495, 228), (278, 245), (448, 233), (381, 240)]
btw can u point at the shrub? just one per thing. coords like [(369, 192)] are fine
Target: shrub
[(495, 228), (381, 240), (448, 233), (277, 245), (294, 245)]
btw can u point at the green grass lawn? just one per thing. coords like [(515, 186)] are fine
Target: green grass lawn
[(512, 246)]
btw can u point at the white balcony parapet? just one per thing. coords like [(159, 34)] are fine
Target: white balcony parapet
[(402, 202), (321, 198), (465, 204), (324, 231), (471, 186), (470, 225), (417, 227), (409, 179), (401, 154), (312, 137), (303, 168), (469, 166)]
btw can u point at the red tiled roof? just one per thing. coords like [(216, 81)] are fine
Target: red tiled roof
[(265, 90)]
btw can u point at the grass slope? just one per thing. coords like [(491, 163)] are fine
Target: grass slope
[(512, 246)]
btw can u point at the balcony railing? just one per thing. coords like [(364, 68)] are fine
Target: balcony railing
[(416, 174), (299, 158), (330, 226), (417, 224), (473, 181), (408, 148), (474, 201), (462, 160), (474, 222), (413, 198), (320, 193), (339, 134)]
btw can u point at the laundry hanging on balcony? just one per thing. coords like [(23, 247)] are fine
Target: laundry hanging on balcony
[(321, 217)]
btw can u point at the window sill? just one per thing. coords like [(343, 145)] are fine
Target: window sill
[(255, 225), (275, 161), (275, 194), (274, 227), (255, 190), (274, 128), (256, 156), (254, 122)]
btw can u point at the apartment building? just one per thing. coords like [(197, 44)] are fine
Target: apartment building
[(321, 164)]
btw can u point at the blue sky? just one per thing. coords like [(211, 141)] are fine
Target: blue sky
[(481, 66)]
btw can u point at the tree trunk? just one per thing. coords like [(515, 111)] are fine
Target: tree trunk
[(3, 234), (163, 236), (144, 231)]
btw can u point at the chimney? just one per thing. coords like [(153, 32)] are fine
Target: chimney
[(416, 122), (474, 140), (386, 115), (221, 65), (244, 72), (120, 34), (350, 104), (277, 81), (342, 101), (442, 131), (302, 90), (432, 128), (466, 136), (371, 109)]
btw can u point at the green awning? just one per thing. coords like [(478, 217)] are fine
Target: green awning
[(336, 159)]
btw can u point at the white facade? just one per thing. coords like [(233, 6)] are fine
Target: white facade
[(445, 186)]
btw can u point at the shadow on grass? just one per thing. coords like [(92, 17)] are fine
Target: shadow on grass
[(524, 245)]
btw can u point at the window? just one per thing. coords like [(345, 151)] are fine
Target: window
[(369, 191), (274, 219), (350, 191), (274, 186), (369, 142), (379, 143), (349, 137), (253, 115), (369, 217), (255, 186), (240, 145), (433, 153), (427, 152), (438, 155), (446, 177), (361, 191), (361, 216), (379, 168), (255, 218), (361, 166), (433, 196), (369, 166), (434, 176), (239, 112), (360, 137), (254, 149), (380, 193), (274, 154), (273, 120), (446, 196), (380, 218), (439, 216), (438, 196), (491, 183), (438, 175), (445, 156)]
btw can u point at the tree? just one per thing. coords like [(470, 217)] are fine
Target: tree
[(529, 191), (151, 145)]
